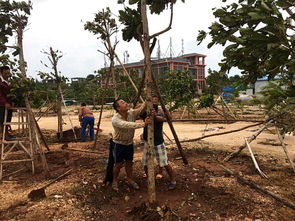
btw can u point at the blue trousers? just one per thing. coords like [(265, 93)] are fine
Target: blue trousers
[(87, 121)]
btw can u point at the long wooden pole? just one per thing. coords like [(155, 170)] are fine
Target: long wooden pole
[(222, 133), (128, 75), (169, 121), (250, 139), (101, 109), (254, 160), (22, 67), (285, 149)]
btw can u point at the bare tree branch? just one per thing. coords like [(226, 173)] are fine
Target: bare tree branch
[(169, 26)]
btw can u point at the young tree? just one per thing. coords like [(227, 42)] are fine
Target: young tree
[(216, 81), (259, 35), (14, 19), (105, 27), (178, 88), (137, 27), (55, 76)]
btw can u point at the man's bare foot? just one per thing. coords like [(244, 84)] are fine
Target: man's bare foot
[(159, 176)]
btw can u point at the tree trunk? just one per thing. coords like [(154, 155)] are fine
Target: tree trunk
[(101, 109), (59, 111), (149, 83), (22, 67), (112, 69), (58, 94)]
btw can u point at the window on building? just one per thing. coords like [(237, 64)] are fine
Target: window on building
[(200, 60)]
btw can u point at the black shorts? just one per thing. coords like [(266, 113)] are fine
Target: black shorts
[(2, 115), (122, 153)]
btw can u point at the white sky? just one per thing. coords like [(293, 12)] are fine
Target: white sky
[(60, 24)]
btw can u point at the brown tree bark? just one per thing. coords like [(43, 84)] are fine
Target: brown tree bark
[(149, 83), (22, 67)]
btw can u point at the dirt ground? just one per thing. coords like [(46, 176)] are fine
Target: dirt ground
[(204, 190)]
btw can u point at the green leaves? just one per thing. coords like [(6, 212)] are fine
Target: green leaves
[(131, 18), (178, 88), (12, 15), (256, 35), (103, 24)]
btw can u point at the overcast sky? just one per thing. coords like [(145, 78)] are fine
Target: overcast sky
[(59, 23)]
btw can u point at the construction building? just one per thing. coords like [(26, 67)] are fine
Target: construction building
[(194, 63)]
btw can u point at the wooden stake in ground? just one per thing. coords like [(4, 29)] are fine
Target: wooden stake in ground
[(101, 109), (169, 121), (129, 77), (22, 66), (285, 149), (254, 160), (250, 139), (260, 189)]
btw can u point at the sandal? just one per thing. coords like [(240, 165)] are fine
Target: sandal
[(172, 186), (134, 185), (115, 187), (159, 176)]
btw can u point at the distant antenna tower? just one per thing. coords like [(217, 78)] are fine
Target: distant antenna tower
[(182, 47), (170, 48), (159, 50), (126, 57), (105, 61)]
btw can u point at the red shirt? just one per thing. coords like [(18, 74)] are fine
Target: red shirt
[(4, 92)]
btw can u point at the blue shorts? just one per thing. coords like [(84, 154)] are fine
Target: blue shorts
[(123, 153)]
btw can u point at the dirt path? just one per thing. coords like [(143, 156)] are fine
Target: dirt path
[(266, 143), (204, 191)]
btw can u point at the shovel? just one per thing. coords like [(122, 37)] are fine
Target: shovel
[(40, 193)]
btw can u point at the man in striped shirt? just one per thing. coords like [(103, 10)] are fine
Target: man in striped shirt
[(123, 150)]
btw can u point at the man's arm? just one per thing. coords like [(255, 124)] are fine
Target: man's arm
[(160, 117), (80, 114), (136, 112), (117, 122)]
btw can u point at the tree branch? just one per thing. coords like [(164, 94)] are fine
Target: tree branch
[(153, 45), (169, 26)]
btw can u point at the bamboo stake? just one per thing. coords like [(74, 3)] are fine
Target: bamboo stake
[(285, 149), (127, 74), (41, 135), (169, 120), (66, 109), (222, 133), (250, 139), (254, 160), (101, 110)]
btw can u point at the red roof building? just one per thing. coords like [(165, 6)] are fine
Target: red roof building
[(194, 63)]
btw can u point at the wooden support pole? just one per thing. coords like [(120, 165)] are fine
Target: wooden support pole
[(250, 139), (101, 110), (259, 188), (254, 160), (222, 133), (129, 77), (41, 135), (169, 120), (285, 149)]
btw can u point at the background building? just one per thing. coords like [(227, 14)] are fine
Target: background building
[(194, 63)]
